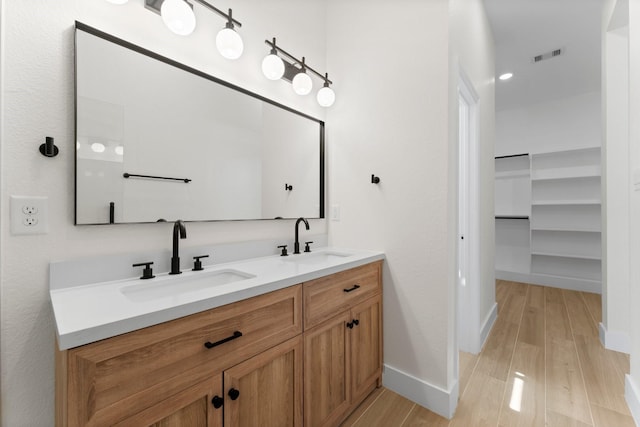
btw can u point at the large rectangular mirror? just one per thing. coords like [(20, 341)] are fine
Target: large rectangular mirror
[(157, 140)]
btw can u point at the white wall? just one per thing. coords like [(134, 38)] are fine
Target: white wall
[(37, 96), (393, 118), (562, 124)]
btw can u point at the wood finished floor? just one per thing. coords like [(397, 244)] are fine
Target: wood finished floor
[(542, 365)]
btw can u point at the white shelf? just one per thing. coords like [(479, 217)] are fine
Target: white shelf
[(513, 174), (562, 191), (580, 268), (566, 173), (566, 217), (566, 243), (570, 230), (566, 255), (567, 202)]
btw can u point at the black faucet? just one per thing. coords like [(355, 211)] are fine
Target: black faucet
[(296, 245), (179, 230)]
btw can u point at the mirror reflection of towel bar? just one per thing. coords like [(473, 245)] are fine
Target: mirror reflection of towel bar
[(133, 175)]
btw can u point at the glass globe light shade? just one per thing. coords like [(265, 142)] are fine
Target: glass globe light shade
[(118, 1), (272, 67), (229, 43), (178, 16), (302, 83), (119, 150), (326, 97)]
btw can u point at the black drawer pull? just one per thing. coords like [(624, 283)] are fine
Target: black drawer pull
[(352, 289), (233, 394), (210, 345), (217, 401)]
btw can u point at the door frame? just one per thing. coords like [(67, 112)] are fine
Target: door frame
[(468, 299)]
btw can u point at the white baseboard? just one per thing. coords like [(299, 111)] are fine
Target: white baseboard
[(569, 283), (432, 397), (615, 340), (488, 325), (632, 396)]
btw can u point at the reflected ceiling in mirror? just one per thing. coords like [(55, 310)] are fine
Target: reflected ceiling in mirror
[(157, 140)]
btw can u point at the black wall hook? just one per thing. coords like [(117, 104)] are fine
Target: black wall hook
[(288, 187), (375, 179), (49, 149)]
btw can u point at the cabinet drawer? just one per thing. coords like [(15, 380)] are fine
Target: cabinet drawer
[(115, 378), (327, 296)]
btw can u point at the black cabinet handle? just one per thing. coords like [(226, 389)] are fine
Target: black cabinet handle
[(354, 322), (233, 394), (352, 288), (210, 345), (217, 401)]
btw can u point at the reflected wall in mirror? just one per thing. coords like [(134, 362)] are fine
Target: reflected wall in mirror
[(206, 150)]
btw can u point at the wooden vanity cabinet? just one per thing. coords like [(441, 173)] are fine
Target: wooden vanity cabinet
[(109, 381), (191, 407), (343, 353), (256, 362), (266, 390)]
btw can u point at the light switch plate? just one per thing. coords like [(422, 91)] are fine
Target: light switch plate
[(29, 215), (335, 213)]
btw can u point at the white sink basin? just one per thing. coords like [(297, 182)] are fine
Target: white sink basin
[(168, 286), (317, 257)]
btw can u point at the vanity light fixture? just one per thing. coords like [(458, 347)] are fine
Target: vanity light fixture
[(272, 64), (228, 41), (505, 76), (179, 17), (296, 72), (326, 96), (301, 82)]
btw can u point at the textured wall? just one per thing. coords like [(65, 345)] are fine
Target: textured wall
[(392, 122), (37, 96)]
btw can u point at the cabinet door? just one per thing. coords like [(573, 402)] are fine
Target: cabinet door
[(366, 347), (266, 390), (197, 406), (326, 365)]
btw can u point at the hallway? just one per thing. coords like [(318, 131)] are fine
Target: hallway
[(543, 364)]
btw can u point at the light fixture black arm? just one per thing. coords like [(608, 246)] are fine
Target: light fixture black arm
[(212, 8), (296, 60)]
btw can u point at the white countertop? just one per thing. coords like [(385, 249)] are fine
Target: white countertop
[(89, 313)]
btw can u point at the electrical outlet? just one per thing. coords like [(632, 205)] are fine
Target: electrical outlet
[(29, 215)]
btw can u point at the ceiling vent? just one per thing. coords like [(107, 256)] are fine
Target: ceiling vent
[(548, 55)]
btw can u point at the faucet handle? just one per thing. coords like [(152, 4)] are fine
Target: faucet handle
[(307, 248), (197, 264), (147, 273), (284, 250)]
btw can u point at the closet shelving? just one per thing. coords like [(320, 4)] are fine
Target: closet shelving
[(512, 211), (564, 221)]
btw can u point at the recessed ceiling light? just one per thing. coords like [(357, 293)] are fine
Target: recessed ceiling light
[(505, 76)]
